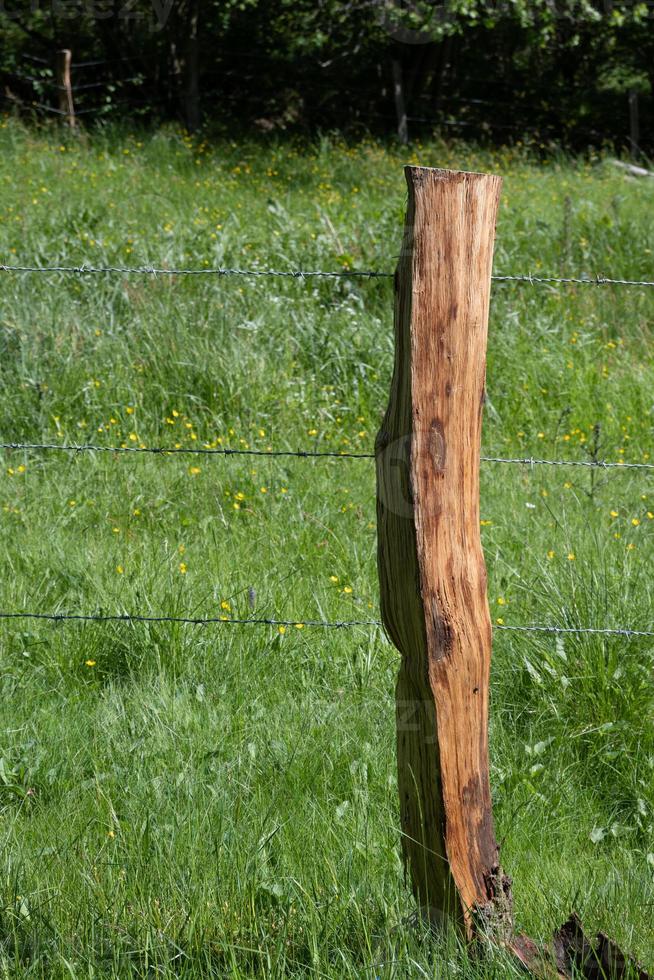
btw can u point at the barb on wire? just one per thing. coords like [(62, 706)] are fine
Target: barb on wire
[(298, 623), (300, 454), (302, 274)]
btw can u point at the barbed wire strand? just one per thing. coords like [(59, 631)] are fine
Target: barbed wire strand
[(185, 620), (152, 271), (582, 281), (616, 631), (310, 623), (301, 454), (45, 80), (31, 104), (202, 451), (593, 463), (302, 274)]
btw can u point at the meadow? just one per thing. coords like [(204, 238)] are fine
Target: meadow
[(220, 801)]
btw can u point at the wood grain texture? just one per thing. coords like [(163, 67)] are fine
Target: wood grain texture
[(431, 565)]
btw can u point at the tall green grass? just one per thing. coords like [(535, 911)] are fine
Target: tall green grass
[(221, 801)]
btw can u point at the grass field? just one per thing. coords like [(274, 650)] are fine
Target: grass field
[(182, 801)]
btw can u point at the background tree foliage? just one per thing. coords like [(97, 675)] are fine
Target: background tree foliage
[(552, 69)]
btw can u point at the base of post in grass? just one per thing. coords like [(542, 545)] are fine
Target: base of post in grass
[(573, 954)]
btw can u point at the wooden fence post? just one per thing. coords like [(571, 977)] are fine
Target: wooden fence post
[(433, 579), (634, 127), (64, 87), (431, 566), (400, 104)]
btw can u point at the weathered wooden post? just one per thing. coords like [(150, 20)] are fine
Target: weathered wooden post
[(431, 566), (433, 579), (64, 87)]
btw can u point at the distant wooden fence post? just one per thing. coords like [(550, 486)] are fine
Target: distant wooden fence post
[(64, 87), (400, 104), (634, 126), (431, 565)]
